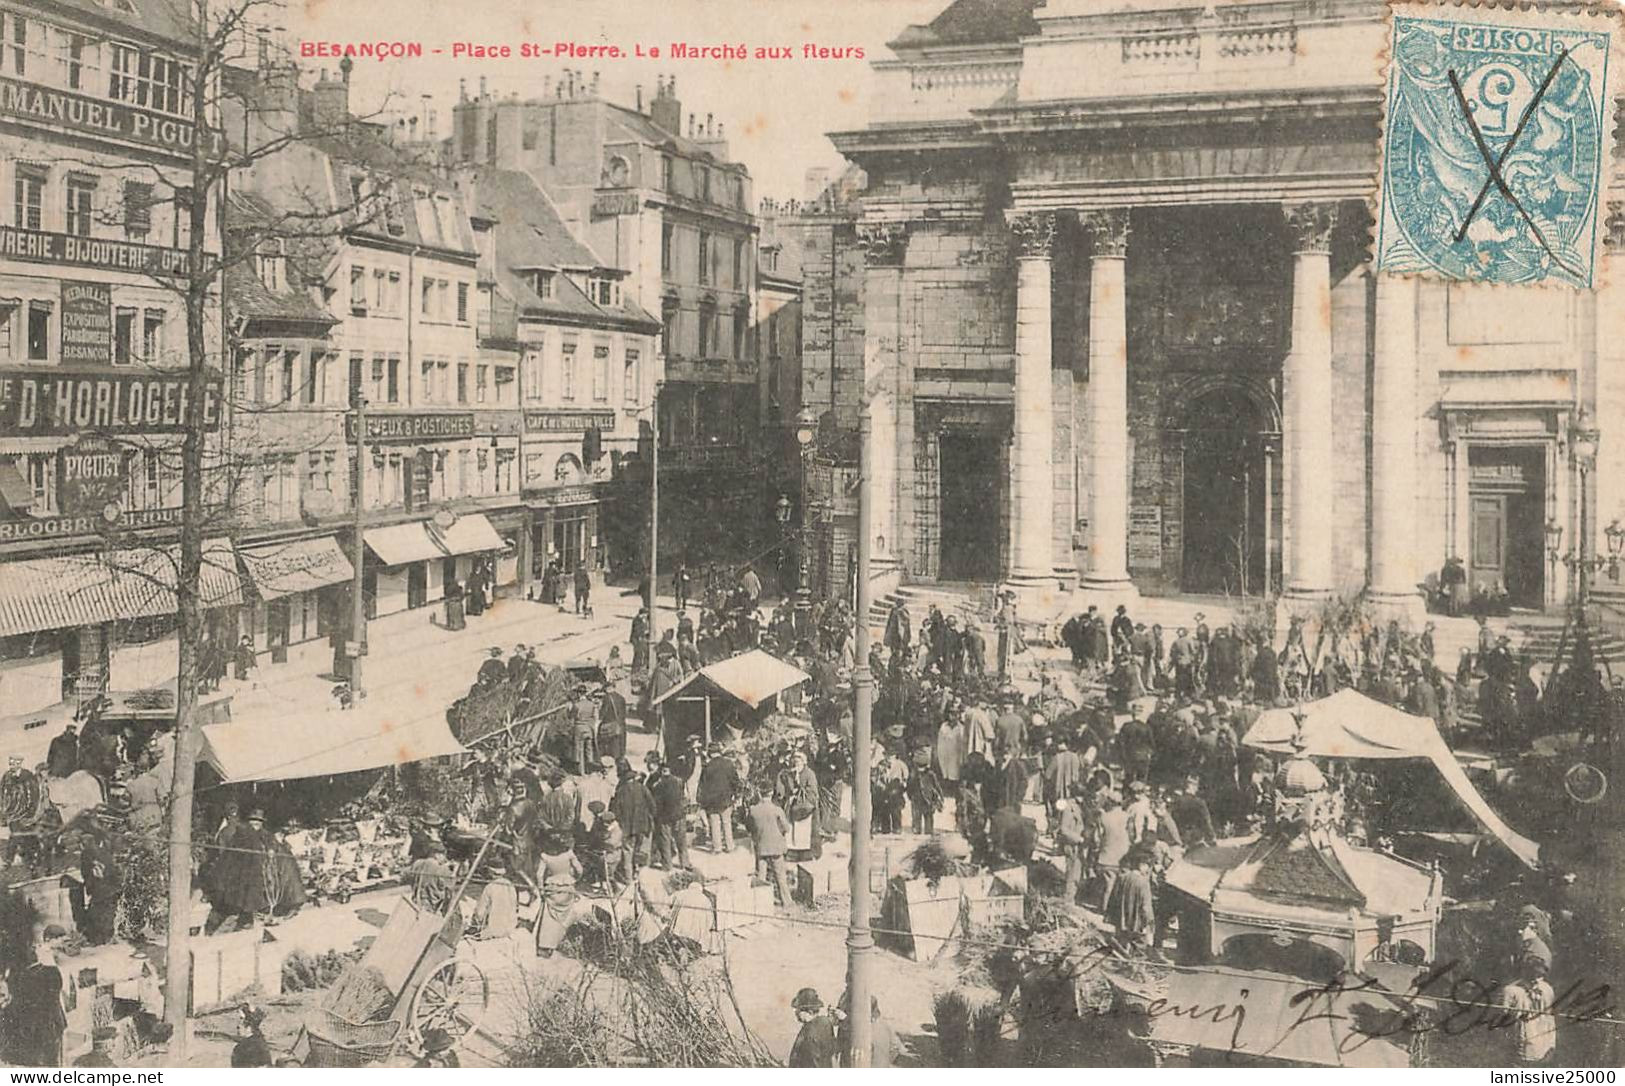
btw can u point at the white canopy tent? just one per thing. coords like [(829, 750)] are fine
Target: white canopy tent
[(751, 678), (1350, 725), (323, 744)]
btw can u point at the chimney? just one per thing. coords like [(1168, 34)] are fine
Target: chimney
[(426, 111), (482, 88), (691, 126), (332, 102), (462, 90), (640, 98), (666, 111), (595, 84), (345, 66)]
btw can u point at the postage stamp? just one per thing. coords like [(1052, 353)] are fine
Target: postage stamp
[(1496, 143)]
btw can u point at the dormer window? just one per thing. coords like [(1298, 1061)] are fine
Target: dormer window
[(603, 290), (272, 268), (542, 283)]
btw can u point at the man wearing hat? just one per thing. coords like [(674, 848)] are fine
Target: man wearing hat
[(431, 879), (496, 914), (439, 1049), (611, 723), (585, 714), (103, 877), (634, 809), (925, 792), (251, 1049), (815, 1043), (718, 795), (492, 671), (62, 760), (100, 1054), (598, 785)]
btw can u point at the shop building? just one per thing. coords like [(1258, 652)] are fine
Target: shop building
[(586, 356), (96, 137), (1089, 241), (397, 273)]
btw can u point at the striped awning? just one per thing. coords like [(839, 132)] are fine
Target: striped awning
[(107, 586), (403, 544)]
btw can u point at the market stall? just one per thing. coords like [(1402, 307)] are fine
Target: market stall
[(735, 693), (1349, 725)]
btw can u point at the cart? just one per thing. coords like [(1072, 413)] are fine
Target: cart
[(417, 956)]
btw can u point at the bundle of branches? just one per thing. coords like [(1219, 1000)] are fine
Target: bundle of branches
[(565, 1025), (680, 1019), (361, 995), (302, 971), (987, 1024), (18, 915), (933, 861)]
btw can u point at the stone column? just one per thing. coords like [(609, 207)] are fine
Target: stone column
[(884, 246), (1393, 569), (1308, 395), (1032, 478), (1106, 467)]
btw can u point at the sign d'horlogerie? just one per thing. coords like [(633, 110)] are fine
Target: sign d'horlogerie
[(40, 403)]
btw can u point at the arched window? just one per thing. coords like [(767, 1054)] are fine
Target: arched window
[(568, 469)]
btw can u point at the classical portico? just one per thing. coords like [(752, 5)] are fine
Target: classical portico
[(1117, 283)]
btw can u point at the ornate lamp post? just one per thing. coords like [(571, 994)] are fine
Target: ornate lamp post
[(781, 517), (806, 431), (1580, 560)]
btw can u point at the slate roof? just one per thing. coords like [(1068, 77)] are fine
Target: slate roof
[(248, 296), (166, 20), (530, 233), (975, 22)]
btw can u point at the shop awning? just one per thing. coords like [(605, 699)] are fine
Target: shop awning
[(751, 677), (297, 565), (102, 586), (469, 534), (403, 544), (1259, 1015), (1350, 725), (14, 489), (322, 744)]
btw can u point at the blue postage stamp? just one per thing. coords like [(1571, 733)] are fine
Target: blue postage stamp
[(1496, 143)]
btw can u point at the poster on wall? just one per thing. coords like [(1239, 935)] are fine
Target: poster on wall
[(1145, 537), (87, 323)]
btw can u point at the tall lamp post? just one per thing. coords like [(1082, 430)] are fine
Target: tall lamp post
[(860, 941), (806, 431)]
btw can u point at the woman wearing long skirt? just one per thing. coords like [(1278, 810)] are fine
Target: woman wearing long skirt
[(561, 901)]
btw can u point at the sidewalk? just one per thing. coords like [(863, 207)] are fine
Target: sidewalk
[(416, 667)]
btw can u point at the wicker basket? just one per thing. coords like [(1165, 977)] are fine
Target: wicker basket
[(335, 1042)]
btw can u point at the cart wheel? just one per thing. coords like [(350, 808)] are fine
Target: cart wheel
[(454, 998)]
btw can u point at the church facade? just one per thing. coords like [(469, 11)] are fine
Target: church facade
[(1107, 296)]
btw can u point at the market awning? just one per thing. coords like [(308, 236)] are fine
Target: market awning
[(296, 565), (751, 677), (1350, 725), (1273, 1016), (106, 586), (468, 534), (403, 544), (322, 744)]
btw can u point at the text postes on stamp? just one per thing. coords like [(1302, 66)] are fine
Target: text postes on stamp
[(1495, 144)]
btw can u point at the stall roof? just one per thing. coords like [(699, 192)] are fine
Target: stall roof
[(1350, 725), (751, 677), (323, 744), (1273, 1016)]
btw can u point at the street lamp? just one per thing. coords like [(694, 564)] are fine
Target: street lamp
[(781, 517), (806, 430)]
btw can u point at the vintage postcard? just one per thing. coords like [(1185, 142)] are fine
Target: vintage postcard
[(811, 533)]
